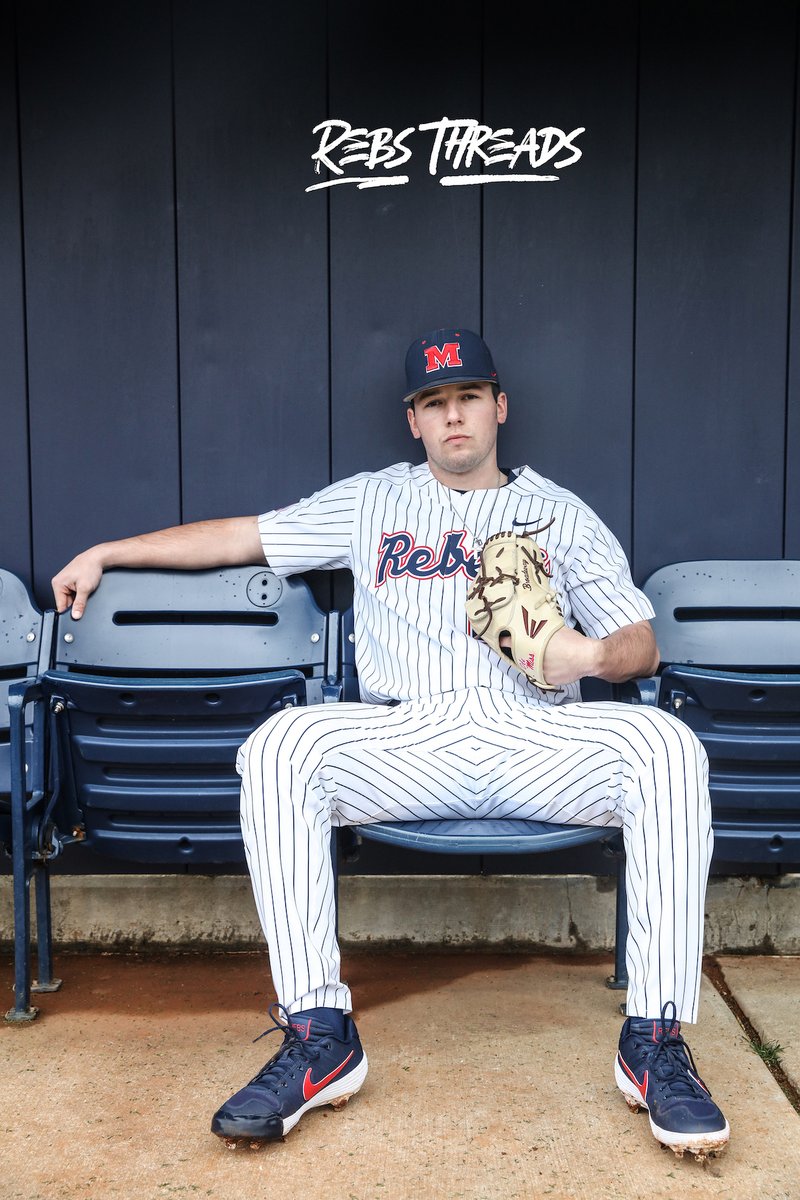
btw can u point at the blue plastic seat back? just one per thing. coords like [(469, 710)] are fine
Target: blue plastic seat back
[(154, 690), (727, 613), (20, 638), (729, 635), (231, 620)]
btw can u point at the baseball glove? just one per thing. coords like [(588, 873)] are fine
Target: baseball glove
[(512, 595)]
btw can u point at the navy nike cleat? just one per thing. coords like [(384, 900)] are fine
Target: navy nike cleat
[(655, 1070), (321, 1061)]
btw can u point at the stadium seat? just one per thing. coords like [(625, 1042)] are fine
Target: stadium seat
[(149, 697), (729, 635)]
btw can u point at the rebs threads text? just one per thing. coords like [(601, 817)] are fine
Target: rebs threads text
[(458, 144)]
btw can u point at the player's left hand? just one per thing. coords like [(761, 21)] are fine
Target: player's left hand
[(569, 656)]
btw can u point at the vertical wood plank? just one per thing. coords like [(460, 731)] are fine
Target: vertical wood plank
[(559, 255), (15, 553), (717, 111), (791, 547), (95, 82), (253, 270), (403, 259)]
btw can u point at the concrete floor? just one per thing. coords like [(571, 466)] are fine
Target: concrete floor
[(490, 1076)]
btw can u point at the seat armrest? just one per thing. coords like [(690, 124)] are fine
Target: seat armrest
[(34, 787), (21, 693), (25, 781), (332, 687), (638, 691)]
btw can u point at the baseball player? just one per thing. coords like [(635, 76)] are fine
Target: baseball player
[(449, 726)]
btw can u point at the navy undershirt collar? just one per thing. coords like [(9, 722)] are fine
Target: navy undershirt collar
[(503, 471)]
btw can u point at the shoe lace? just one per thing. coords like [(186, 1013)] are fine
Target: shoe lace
[(668, 1058), (293, 1050)]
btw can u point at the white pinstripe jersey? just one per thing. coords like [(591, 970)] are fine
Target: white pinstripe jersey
[(411, 545)]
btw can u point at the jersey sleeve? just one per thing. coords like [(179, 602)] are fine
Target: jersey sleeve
[(316, 533), (602, 593)]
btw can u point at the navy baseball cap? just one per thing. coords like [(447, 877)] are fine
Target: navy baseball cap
[(447, 356)]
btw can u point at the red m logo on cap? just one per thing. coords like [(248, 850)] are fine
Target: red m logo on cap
[(437, 357)]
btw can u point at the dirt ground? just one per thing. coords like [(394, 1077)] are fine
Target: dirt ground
[(490, 1076)]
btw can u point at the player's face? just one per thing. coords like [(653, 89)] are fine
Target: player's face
[(457, 424)]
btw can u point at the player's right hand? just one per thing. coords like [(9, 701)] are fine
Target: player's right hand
[(75, 583)]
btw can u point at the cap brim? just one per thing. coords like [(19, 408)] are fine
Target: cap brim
[(443, 382)]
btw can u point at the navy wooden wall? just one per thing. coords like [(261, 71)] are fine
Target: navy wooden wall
[(186, 332)]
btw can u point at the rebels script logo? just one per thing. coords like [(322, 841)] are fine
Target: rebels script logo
[(398, 555)]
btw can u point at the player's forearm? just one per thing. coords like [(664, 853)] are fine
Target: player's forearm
[(628, 653), (232, 541)]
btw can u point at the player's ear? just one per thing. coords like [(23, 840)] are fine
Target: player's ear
[(502, 408), (412, 420)]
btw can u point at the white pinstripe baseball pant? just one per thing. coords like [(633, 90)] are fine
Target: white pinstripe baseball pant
[(478, 753)]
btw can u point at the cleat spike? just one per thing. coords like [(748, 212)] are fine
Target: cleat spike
[(336, 1105)]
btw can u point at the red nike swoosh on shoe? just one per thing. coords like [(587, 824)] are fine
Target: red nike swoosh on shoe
[(310, 1088), (641, 1087)]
